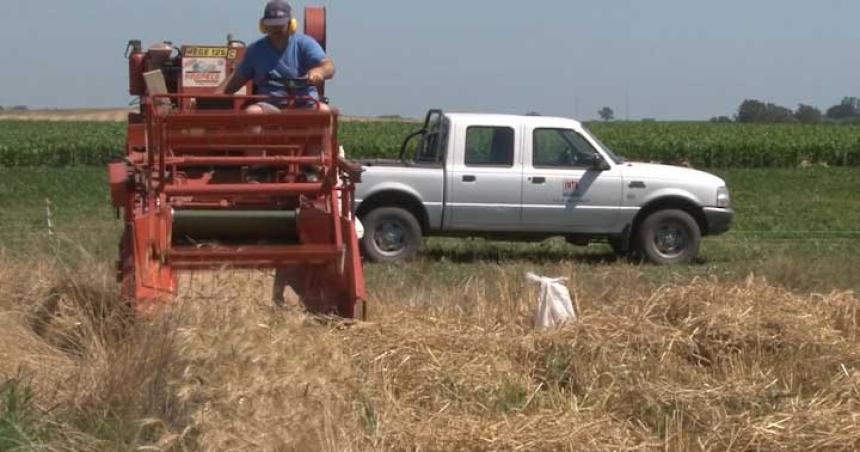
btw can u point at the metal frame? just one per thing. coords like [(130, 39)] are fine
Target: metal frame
[(196, 159)]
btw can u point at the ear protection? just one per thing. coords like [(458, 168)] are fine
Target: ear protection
[(292, 28)]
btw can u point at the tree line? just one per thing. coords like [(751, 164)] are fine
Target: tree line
[(756, 111), (14, 108)]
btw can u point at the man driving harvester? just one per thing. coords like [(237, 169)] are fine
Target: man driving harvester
[(271, 61), (281, 55)]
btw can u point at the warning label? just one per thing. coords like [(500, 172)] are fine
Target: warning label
[(203, 72)]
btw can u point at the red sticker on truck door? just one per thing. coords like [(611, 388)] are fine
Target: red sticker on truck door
[(569, 187)]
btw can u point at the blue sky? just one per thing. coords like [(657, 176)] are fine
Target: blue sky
[(673, 59)]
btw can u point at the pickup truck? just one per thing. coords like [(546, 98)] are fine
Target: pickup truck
[(510, 177)]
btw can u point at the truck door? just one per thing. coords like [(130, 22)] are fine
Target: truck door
[(562, 192), (485, 188)]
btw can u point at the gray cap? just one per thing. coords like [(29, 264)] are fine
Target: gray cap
[(277, 12)]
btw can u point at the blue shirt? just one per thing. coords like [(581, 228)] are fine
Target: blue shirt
[(266, 66)]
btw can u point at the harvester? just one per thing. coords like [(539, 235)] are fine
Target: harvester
[(204, 185)]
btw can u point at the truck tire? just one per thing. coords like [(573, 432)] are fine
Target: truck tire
[(669, 237), (391, 234)]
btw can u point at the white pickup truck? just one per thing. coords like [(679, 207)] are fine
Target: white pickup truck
[(528, 178)]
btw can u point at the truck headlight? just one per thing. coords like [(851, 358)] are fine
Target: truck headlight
[(723, 198)]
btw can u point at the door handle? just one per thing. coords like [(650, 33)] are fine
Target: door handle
[(537, 180), (469, 178)]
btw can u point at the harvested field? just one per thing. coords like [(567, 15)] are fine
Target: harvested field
[(80, 114), (700, 365)]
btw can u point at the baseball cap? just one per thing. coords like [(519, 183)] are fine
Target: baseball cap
[(277, 12)]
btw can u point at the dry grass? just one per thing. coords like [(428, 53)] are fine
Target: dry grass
[(699, 366)]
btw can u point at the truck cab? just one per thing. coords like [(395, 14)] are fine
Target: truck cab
[(528, 178)]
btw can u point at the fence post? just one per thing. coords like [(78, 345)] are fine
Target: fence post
[(49, 218)]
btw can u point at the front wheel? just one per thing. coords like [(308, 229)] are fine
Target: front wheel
[(669, 237), (391, 234)]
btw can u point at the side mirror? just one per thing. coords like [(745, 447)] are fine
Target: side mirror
[(598, 163)]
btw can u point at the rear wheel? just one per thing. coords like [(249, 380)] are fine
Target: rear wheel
[(669, 237), (391, 234)]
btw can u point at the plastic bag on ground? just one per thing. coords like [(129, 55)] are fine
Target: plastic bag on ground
[(554, 305)]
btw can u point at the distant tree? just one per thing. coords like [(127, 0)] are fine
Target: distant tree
[(752, 110), (1, 108), (20, 108), (721, 119), (807, 114), (606, 114), (649, 120), (776, 113), (847, 109), (532, 113)]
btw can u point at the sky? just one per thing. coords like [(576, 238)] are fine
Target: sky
[(662, 59)]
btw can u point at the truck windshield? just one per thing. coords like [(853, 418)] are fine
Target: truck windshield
[(615, 157)]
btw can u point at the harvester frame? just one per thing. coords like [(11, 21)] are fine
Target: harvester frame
[(205, 185)]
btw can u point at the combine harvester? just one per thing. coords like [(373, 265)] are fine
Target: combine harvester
[(205, 185)]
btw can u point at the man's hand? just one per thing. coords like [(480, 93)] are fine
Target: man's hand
[(232, 84), (316, 76), (321, 73)]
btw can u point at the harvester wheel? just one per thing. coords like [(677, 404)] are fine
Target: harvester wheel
[(391, 234)]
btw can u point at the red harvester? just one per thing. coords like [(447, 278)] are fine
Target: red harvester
[(205, 185)]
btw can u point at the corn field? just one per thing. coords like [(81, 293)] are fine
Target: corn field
[(699, 144)]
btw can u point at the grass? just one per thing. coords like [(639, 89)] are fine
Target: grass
[(776, 209), (19, 417), (755, 346), (813, 199), (705, 364)]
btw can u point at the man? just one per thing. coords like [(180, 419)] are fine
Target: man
[(280, 55)]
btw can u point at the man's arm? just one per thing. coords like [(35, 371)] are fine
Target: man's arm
[(323, 71), (231, 84)]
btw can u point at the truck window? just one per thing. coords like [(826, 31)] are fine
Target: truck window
[(553, 148), (489, 146), (435, 138)]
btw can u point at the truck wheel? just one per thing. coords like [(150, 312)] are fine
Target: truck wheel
[(669, 237), (391, 234)]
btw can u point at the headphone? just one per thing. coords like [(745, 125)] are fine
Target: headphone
[(292, 28)]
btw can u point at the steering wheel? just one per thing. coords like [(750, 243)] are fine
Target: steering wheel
[(291, 85)]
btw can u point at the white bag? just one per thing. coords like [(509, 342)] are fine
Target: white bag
[(554, 305)]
